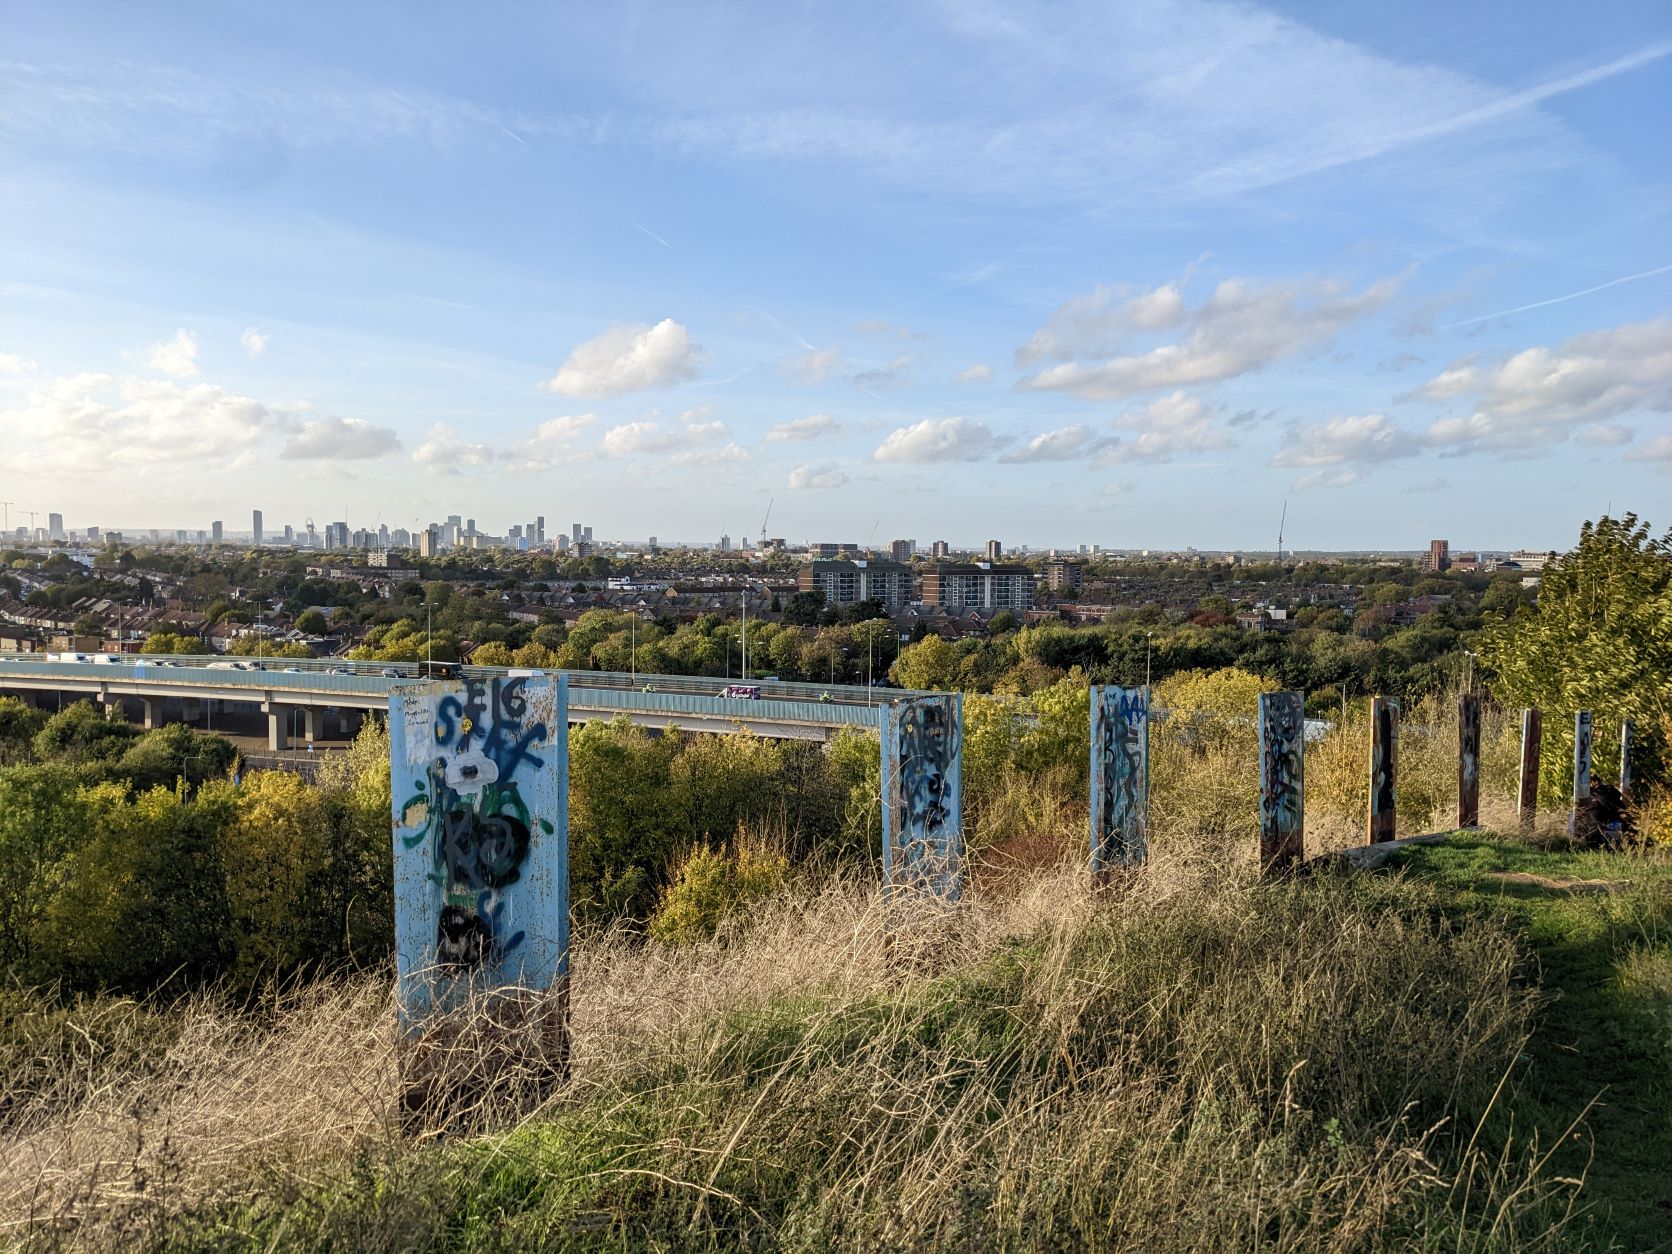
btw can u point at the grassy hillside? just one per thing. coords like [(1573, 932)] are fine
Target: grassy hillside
[(1401, 1060)]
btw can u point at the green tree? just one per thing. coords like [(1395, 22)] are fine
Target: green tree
[(312, 621), (1600, 639)]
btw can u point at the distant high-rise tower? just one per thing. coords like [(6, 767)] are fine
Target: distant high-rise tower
[(540, 529), (901, 550), (940, 549), (995, 550), (215, 531), (725, 544), (586, 534), (255, 527), (574, 533), (1439, 555), (55, 526)]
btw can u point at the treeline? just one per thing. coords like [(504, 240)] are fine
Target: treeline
[(132, 860)]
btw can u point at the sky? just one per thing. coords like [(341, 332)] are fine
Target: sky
[(1138, 274)]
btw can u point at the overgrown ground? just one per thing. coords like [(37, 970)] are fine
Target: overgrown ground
[(1192, 1061), (1600, 925)]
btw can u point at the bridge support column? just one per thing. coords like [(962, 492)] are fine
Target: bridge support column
[(153, 707), (310, 723), (278, 733)]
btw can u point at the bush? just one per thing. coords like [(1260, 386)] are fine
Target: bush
[(710, 887)]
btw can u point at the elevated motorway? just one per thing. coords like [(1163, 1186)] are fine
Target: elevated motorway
[(289, 691)]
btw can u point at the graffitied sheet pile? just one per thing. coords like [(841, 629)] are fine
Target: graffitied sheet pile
[(1119, 777), (480, 788), (922, 795)]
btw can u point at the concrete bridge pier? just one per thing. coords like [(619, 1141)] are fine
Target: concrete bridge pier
[(278, 731), (151, 712), (310, 723)]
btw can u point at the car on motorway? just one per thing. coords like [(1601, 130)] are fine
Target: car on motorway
[(742, 692), (389, 672), (339, 670)]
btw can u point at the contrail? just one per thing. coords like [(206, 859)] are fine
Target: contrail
[(1556, 300), (664, 243)]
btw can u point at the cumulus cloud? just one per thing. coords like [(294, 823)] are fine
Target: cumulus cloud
[(1456, 379), (1168, 427), (978, 373), (15, 363), (809, 428), (340, 439), (1360, 440), (1245, 325), (811, 478), (1062, 445), (98, 421), (629, 357), (554, 442), (943, 440), (1657, 451), (1543, 395), (882, 378), (694, 430), (254, 341), (443, 453), (177, 356), (728, 454), (1331, 477), (816, 365)]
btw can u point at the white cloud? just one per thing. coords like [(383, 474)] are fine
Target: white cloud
[(882, 378), (1606, 433), (1657, 450), (978, 373), (816, 365), (1244, 326), (1457, 378), (1331, 477), (729, 454), (1062, 445), (443, 453), (809, 428), (945, 440), (807, 478), (177, 357), (1363, 440), (14, 363), (629, 357), (97, 421), (1168, 427), (632, 439), (340, 439), (254, 341), (1543, 395), (553, 442)]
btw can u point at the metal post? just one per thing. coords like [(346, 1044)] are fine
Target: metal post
[(1627, 727), (1526, 800), (1579, 819), (1468, 760), (1384, 769), (1282, 779)]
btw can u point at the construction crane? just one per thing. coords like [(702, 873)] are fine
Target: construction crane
[(6, 515), (767, 519), (1282, 518)]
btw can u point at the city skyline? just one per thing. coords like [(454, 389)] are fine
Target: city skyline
[(1132, 276)]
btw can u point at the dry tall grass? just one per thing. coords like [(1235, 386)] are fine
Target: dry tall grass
[(1188, 1061)]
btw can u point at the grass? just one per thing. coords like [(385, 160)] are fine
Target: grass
[(1603, 1036), (1185, 1062)]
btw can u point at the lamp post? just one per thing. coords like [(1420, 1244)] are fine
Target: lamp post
[(1148, 637)]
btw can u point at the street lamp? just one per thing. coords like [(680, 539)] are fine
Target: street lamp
[(1148, 636)]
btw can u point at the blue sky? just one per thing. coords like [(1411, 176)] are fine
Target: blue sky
[(1127, 274)]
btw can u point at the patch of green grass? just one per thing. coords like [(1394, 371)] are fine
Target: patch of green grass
[(1604, 1034)]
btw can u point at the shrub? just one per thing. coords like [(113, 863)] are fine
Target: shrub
[(712, 886)]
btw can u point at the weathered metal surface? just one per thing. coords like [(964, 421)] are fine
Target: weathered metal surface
[(1468, 760), (1119, 777), (479, 774), (1384, 769), (1526, 798), (1627, 731), (923, 795), (1581, 812), (1282, 779)]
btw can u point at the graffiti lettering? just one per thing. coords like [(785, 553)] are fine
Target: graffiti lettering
[(1282, 778), (1120, 776), (923, 802)]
